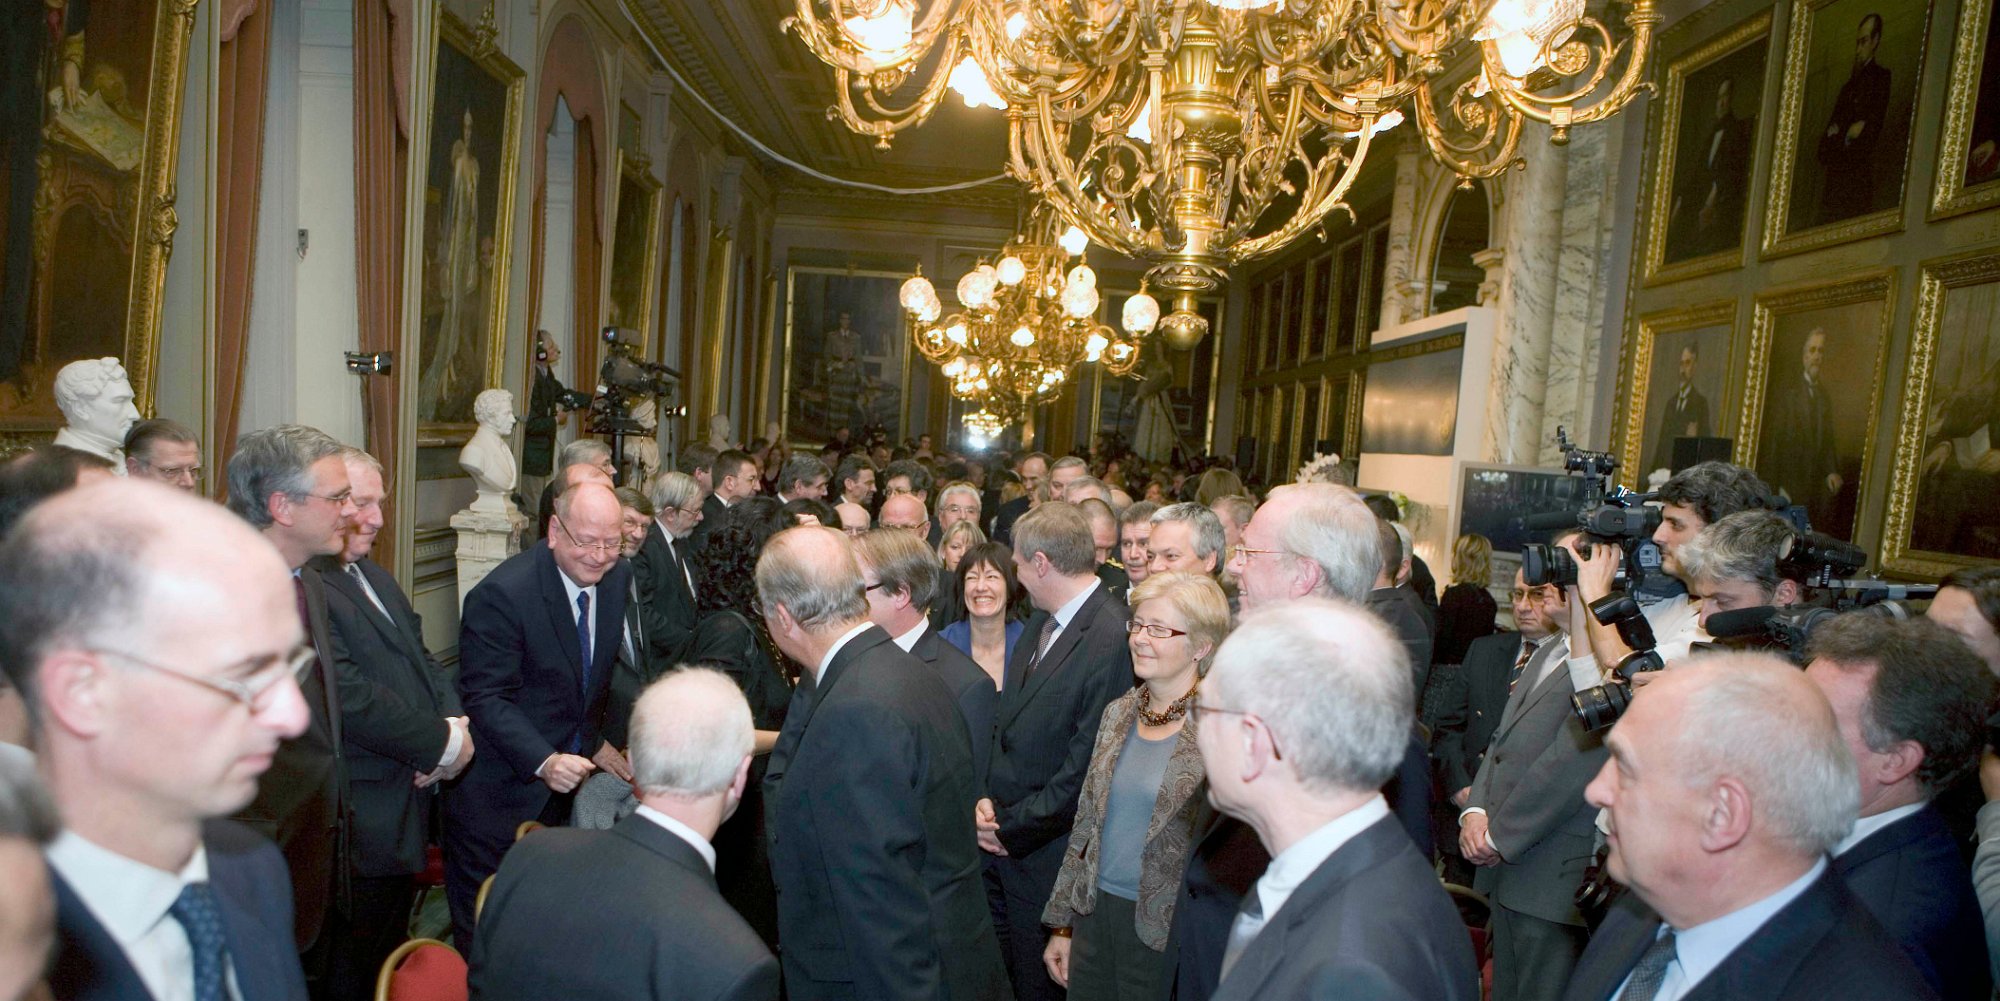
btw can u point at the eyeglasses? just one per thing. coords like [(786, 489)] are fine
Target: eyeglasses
[(335, 499), (1153, 629), (173, 472), (1196, 710), (871, 587), (1244, 553), (1534, 592), (263, 676), (600, 548)]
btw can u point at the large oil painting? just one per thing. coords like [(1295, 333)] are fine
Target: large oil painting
[(635, 231), (468, 208), (92, 111), (1677, 384), (847, 354), (1968, 175), (1709, 129)]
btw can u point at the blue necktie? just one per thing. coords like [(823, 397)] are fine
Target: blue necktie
[(201, 918), (583, 635)]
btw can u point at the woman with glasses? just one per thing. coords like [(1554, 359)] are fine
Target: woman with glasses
[(1467, 609), (1114, 898), (987, 628)]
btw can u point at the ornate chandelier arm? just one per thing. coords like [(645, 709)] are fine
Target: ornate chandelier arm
[(827, 38), (1496, 127), (1055, 177), (1307, 218), (1286, 149), (883, 122), (1571, 58)]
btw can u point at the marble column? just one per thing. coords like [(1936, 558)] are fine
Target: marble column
[(1531, 231), (1582, 261), (1402, 239)]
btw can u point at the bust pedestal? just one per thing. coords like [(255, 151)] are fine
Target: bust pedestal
[(485, 538)]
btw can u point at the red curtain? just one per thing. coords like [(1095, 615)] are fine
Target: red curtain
[(381, 163), (586, 255), (241, 74)]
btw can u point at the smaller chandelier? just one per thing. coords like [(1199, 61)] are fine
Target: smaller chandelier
[(1025, 321)]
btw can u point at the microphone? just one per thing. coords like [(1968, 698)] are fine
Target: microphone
[(1741, 622)]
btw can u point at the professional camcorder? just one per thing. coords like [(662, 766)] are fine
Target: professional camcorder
[(1823, 563), (624, 379), (1610, 514)]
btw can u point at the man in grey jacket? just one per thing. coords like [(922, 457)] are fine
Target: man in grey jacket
[(1528, 828)]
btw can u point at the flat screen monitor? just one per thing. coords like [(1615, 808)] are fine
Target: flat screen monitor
[(1491, 497)]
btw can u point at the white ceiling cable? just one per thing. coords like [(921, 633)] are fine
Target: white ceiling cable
[(695, 93)]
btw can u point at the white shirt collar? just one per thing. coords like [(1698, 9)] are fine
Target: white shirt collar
[(682, 831), (908, 641), (1069, 610), (1702, 948), (572, 589), (1867, 827), (129, 898), (826, 661), (1295, 864)]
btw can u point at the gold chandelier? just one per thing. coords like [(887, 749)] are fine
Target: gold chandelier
[(1026, 321), (1200, 134)]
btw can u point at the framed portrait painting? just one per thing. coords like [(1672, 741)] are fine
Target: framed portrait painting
[(1968, 164), (1813, 392), (1842, 154), (1942, 512), (1707, 148), (1676, 383), (847, 353), (468, 213), (635, 229), (91, 133)]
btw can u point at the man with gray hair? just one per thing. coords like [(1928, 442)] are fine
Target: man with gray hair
[(802, 476), (28, 909), (575, 464), (1727, 785), (667, 607), (1186, 537), (290, 483), (1307, 539), (867, 794), (1065, 471), (1086, 487), (651, 922), (1304, 716)]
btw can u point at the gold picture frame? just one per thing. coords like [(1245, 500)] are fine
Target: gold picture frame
[(1637, 372), (632, 299), (1925, 422), (468, 69), (86, 175), (1666, 182), (1786, 319), (815, 296), (1951, 195), (1782, 234)]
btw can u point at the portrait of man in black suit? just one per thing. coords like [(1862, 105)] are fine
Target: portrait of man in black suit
[(1801, 454), (1713, 154), (1852, 137), (1679, 408)]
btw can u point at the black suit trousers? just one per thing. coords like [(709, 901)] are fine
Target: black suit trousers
[(356, 943), (1018, 890), (1532, 958)]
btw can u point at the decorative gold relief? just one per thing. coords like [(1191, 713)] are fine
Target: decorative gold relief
[(1813, 393), (1946, 470)]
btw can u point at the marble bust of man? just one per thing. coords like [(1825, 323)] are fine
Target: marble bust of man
[(96, 402), (488, 457)]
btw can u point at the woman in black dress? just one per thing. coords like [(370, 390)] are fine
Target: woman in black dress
[(1466, 610)]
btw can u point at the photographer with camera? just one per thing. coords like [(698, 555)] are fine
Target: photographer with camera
[(1692, 500), (1739, 562), (1911, 702)]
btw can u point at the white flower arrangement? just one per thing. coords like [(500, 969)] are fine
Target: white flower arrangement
[(1323, 468)]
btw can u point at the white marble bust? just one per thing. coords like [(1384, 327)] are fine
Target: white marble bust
[(489, 457), (96, 402), (720, 433)]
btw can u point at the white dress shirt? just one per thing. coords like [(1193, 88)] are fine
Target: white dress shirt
[(1868, 826), (1699, 950), (682, 831), (131, 900), (1068, 612), (1294, 866), (908, 641)]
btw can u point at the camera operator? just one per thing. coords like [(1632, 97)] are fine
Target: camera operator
[(1738, 563), (1693, 499), (1911, 702)]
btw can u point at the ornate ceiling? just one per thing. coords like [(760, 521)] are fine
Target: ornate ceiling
[(768, 83)]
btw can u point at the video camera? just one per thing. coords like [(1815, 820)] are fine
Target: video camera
[(1610, 514), (624, 379), (1822, 563)]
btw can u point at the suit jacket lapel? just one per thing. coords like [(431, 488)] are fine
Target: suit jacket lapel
[(88, 963), (805, 702), (1017, 665), (405, 620), (1526, 696), (249, 939), (1059, 648), (322, 633), (339, 580), (1261, 957), (1636, 927), (1769, 959), (562, 616)]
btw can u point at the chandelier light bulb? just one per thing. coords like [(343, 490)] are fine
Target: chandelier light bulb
[(1023, 337), (1080, 301), (1081, 275), (929, 310), (915, 292), (1141, 314), (1010, 271), (969, 82), (884, 33), (975, 289), (1095, 345), (957, 333), (1074, 241)]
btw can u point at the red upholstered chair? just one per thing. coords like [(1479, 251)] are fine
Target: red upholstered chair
[(422, 969)]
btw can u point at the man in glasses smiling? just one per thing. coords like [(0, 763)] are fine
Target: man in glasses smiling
[(156, 641)]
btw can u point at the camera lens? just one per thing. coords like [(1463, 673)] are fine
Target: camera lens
[(1542, 565), (1601, 706)]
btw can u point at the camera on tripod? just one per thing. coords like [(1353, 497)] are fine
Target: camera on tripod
[(625, 378), (1610, 514)]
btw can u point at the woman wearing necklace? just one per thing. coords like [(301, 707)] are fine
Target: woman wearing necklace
[(1114, 899)]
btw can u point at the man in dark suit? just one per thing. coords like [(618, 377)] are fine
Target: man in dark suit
[(1911, 700), (536, 644), (901, 575), (1072, 661), (1304, 716), (1398, 606), (640, 914), (1707, 213), (546, 410), (698, 461), (402, 734), (1726, 786), (1526, 824), (664, 569), (290, 483), (1800, 456), (1685, 414), (1033, 469), (868, 791), (1847, 148), (158, 646)]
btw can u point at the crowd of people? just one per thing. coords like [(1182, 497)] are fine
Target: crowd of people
[(882, 722)]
